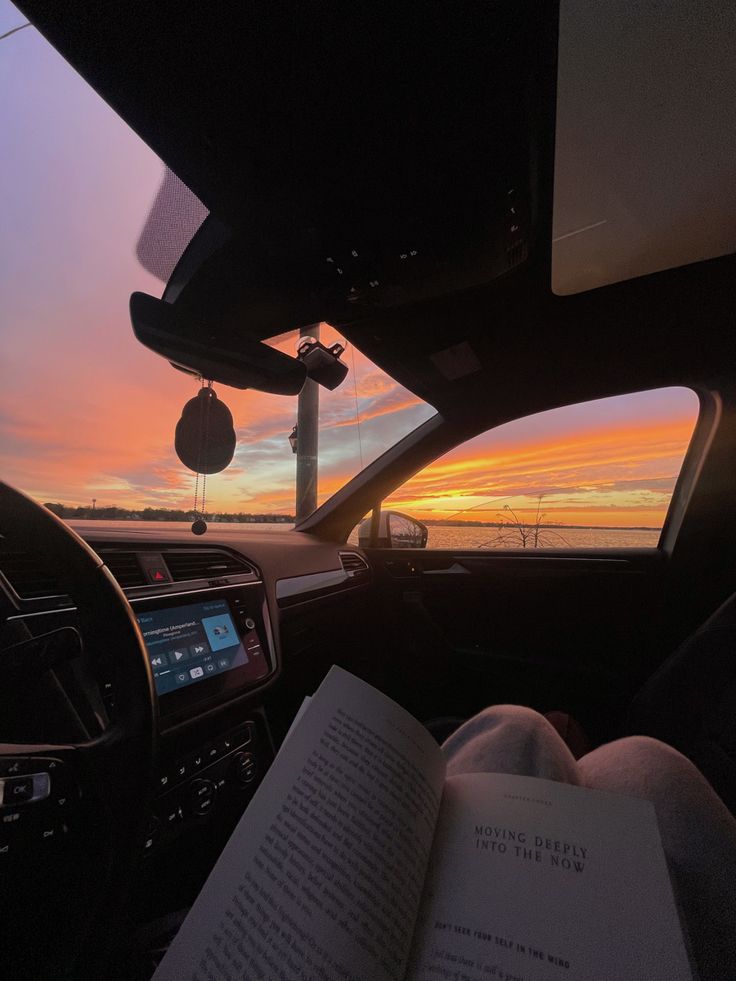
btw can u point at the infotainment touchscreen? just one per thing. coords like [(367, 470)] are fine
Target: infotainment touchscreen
[(188, 644)]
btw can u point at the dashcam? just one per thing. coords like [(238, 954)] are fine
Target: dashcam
[(323, 364)]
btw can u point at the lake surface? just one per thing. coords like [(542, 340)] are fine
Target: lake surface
[(448, 537)]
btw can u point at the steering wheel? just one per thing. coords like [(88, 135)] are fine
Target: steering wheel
[(73, 813)]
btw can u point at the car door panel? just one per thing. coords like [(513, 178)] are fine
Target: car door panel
[(578, 632)]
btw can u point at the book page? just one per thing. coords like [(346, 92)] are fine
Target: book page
[(532, 880), (322, 878)]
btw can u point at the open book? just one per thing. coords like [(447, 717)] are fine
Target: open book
[(358, 859)]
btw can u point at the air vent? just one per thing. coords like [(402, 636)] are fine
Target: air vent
[(125, 567), (186, 564), (355, 565), (28, 575)]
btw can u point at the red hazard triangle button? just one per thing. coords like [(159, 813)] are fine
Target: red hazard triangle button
[(158, 575)]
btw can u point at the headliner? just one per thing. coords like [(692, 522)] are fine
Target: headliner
[(180, 76)]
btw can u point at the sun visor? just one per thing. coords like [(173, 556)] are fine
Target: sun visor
[(190, 345), (363, 158), (288, 270), (410, 162)]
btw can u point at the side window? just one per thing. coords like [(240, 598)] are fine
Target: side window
[(595, 475)]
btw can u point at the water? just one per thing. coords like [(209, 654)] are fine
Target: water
[(459, 538), (445, 537)]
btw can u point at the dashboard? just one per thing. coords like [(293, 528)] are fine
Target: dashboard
[(217, 620)]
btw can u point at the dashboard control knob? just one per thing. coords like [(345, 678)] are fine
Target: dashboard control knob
[(201, 795), (245, 768)]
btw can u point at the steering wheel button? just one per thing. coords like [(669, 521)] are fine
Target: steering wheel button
[(16, 823), (17, 790), (24, 789), (51, 833), (12, 766)]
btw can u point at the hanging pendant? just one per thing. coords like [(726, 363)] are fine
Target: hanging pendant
[(205, 442), (205, 437)]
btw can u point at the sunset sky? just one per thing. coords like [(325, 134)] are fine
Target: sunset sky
[(613, 462), (86, 412)]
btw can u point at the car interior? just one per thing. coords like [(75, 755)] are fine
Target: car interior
[(392, 170)]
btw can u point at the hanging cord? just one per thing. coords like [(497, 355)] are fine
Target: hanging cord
[(200, 505), (14, 30), (357, 409), (199, 460), (203, 501)]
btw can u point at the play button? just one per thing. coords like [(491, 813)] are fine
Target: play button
[(180, 655)]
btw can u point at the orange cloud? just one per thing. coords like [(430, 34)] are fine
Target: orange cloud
[(613, 475)]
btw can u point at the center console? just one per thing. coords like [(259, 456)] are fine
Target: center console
[(205, 647), (208, 784), (209, 650)]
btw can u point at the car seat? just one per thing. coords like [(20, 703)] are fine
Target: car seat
[(690, 702)]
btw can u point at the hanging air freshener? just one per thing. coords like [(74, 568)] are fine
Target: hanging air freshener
[(205, 443)]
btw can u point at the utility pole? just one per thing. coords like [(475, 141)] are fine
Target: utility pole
[(94, 502), (307, 446)]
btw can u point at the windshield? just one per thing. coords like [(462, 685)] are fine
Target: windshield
[(87, 415)]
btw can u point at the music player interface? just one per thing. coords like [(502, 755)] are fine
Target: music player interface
[(190, 643)]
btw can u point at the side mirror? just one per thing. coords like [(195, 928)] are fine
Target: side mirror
[(405, 532), (395, 530)]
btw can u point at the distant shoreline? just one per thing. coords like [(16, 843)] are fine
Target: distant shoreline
[(270, 519), (70, 513), (434, 523)]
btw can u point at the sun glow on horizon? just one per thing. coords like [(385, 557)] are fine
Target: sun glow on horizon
[(609, 463)]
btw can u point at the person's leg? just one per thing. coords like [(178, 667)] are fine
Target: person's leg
[(698, 834), (510, 739)]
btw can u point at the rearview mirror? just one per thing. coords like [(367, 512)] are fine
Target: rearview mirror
[(244, 363), (395, 530)]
